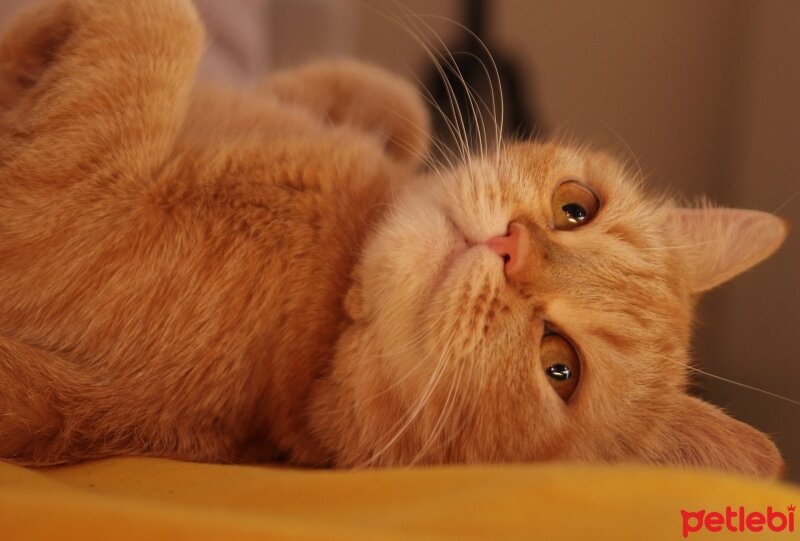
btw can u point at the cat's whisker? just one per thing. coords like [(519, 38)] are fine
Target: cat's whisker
[(476, 103), (785, 203), (428, 97), (414, 412), (440, 62), (395, 353), (445, 61), (631, 153), (477, 106), (734, 382), (448, 411), (416, 36), (448, 63), (458, 127), (450, 405), (440, 147), (498, 125), (445, 413), (703, 244), (421, 402)]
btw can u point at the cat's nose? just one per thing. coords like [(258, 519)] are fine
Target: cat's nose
[(512, 247)]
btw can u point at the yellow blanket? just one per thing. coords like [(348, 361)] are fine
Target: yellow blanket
[(138, 498)]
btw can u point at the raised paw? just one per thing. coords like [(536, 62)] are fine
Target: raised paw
[(361, 96), (98, 83)]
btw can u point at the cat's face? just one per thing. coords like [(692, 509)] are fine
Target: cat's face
[(566, 337)]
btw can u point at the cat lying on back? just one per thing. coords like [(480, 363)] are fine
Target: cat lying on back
[(249, 276)]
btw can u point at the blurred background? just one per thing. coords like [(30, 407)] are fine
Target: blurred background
[(703, 94)]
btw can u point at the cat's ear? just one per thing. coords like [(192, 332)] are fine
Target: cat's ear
[(720, 243), (701, 435)]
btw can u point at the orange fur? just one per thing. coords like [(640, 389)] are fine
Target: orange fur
[(220, 275)]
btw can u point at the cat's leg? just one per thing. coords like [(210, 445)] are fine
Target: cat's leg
[(361, 96), (93, 88), (53, 411), (40, 409)]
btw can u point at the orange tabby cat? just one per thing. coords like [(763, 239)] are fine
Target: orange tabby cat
[(233, 276)]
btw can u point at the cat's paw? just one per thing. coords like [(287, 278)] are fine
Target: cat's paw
[(361, 96), (39, 35)]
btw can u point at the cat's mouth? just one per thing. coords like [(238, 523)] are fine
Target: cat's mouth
[(459, 246), (458, 232)]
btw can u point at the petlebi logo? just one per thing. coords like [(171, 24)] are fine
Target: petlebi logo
[(738, 520)]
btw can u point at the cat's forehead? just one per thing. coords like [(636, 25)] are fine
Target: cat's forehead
[(549, 162), (529, 173)]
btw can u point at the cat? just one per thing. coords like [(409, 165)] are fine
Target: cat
[(262, 275)]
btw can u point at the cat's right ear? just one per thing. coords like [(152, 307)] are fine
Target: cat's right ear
[(719, 243)]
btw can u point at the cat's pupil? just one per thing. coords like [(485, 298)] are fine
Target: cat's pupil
[(575, 213), (560, 372)]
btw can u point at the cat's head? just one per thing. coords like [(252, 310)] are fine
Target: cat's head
[(537, 305)]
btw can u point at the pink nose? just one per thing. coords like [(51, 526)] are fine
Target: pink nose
[(512, 248)]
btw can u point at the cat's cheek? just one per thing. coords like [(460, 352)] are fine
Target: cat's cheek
[(401, 263)]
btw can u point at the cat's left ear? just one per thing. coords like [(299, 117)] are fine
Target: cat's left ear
[(720, 243), (698, 434)]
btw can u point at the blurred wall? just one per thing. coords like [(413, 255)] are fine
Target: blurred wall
[(705, 96)]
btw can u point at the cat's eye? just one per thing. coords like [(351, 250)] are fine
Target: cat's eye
[(561, 364), (573, 205)]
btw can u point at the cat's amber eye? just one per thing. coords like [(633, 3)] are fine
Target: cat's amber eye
[(561, 364), (573, 205)]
